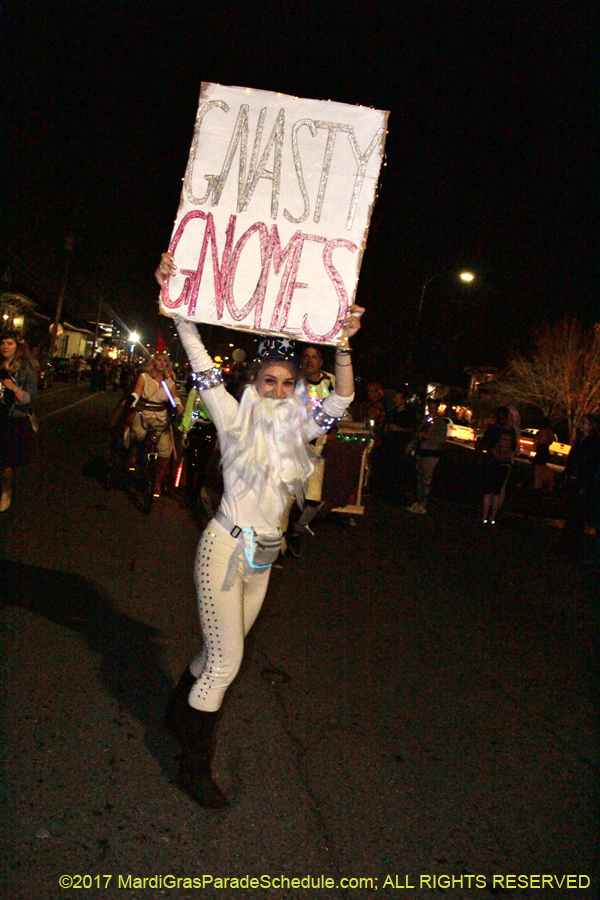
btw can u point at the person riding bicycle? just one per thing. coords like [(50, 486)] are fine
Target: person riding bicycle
[(153, 397)]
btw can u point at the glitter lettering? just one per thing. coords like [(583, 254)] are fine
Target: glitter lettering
[(240, 133), (339, 289), (189, 172), (362, 160), (257, 299), (332, 130), (288, 282), (189, 294), (260, 171), (299, 174)]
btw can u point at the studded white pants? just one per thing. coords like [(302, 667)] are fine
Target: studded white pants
[(226, 617)]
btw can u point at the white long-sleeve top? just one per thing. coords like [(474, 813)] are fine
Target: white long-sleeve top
[(242, 505)]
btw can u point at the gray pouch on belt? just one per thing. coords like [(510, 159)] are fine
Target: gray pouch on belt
[(261, 551)]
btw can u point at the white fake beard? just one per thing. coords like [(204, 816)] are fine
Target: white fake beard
[(267, 443)]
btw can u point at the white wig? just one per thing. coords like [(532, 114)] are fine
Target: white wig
[(267, 442)]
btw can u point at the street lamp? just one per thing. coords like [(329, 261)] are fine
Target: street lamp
[(133, 339), (464, 276)]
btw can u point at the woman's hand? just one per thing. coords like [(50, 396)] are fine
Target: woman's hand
[(351, 323), (11, 385), (166, 268)]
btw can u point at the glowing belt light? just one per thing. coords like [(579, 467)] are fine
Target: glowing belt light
[(168, 393)]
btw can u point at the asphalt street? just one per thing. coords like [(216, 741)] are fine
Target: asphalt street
[(417, 707)]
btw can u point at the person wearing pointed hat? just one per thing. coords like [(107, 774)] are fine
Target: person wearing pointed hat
[(153, 396), (266, 456)]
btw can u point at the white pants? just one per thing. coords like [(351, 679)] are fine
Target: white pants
[(156, 424), (226, 617)]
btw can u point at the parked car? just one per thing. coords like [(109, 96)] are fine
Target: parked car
[(527, 445), (62, 368), (460, 432)]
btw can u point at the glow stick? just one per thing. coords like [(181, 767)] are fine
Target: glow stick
[(168, 393), (178, 475)]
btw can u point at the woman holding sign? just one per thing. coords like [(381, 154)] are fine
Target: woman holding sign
[(266, 457)]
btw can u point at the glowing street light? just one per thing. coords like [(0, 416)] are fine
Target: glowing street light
[(467, 277)]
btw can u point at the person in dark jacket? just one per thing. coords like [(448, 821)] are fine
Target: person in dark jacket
[(579, 479), (398, 429), (499, 445)]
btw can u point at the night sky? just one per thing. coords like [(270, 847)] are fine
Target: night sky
[(491, 134)]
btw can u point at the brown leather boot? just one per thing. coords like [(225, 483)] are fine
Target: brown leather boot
[(175, 711), (195, 731), (195, 776)]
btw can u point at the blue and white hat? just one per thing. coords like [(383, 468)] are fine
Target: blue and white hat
[(277, 349)]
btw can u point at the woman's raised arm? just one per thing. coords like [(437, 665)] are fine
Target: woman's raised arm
[(344, 374)]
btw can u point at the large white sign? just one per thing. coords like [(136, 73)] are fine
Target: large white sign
[(274, 212)]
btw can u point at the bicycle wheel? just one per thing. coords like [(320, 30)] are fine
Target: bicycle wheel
[(147, 483)]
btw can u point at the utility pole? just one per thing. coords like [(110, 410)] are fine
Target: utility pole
[(54, 333)]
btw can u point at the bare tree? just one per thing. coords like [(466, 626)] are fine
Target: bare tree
[(561, 377)]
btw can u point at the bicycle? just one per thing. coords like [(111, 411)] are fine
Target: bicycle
[(145, 470), (136, 474), (201, 440)]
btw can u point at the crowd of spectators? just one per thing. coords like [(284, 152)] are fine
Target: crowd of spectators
[(409, 434)]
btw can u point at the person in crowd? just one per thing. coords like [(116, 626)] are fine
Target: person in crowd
[(153, 397), (81, 368), (498, 446), (103, 373), (73, 368), (427, 446), (398, 428), (372, 411), (266, 456), (18, 395), (127, 376), (36, 360), (593, 559), (320, 384), (579, 478), (199, 437), (542, 475), (514, 420), (95, 370)]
